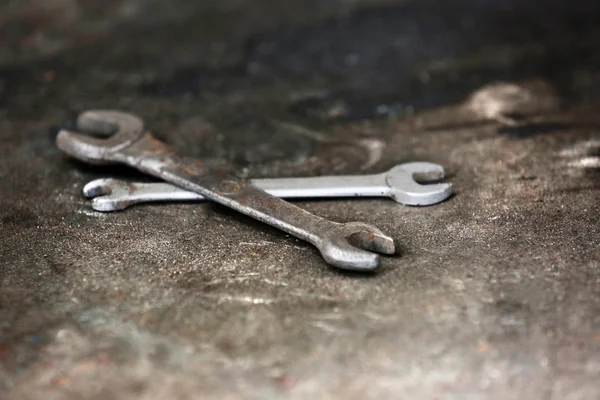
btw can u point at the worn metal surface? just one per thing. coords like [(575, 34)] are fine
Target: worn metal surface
[(399, 183), (496, 291)]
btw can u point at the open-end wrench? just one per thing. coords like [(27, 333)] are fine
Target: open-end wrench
[(344, 245), (400, 183)]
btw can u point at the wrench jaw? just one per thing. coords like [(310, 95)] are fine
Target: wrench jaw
[(125, 129), (99, 187), (351, 246), (404, 182), (108, 194)]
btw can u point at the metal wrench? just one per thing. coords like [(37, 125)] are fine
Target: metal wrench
[(344, 245), (398, 183)]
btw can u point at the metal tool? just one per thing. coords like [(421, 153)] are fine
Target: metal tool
[(344, 245), (398, 183)]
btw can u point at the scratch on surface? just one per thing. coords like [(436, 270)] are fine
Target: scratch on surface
[(301, 293), (581, 149), (329, 328), (241, 299), (586, 162), (302, 131), (261, 243), (332, 316), (229, 279), (378, 317), (274, 283), (245, 278), (267, 243), (586, 154), (374, 149)]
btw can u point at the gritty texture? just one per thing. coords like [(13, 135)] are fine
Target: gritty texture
[(494, 293)]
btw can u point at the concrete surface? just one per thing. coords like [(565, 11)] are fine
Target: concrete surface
[(495, 293)]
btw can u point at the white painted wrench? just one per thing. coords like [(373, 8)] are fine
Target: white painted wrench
[(401, 183)]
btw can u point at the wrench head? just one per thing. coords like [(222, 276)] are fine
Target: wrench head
[(352, 246), (125, 129), (108, 194), (405, 187)]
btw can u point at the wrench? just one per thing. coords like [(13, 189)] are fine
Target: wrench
[(350, 246), (398, 183)]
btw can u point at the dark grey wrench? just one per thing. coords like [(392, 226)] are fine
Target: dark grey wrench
[(401, 183), (348, 246)]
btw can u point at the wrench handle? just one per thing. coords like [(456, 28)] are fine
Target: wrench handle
[(325, 186), (155, 158)]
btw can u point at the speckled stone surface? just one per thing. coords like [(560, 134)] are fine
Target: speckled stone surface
[(494, 294)]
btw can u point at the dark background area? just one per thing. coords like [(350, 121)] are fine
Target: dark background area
[(495, 293)]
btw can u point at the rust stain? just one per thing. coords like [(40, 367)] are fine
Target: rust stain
[(284, 382), (229, 187), (232, 186), (194, 168), (61, 381), (273, 206), (103, 358), (483, 347), (85, 366), (156, 146)]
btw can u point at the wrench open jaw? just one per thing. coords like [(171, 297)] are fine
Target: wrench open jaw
[(347, 246), (342, 241), (125, 129), (405, 184), (114, 194)]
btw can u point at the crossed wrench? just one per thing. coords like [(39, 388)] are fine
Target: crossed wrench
[(344, 245)]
